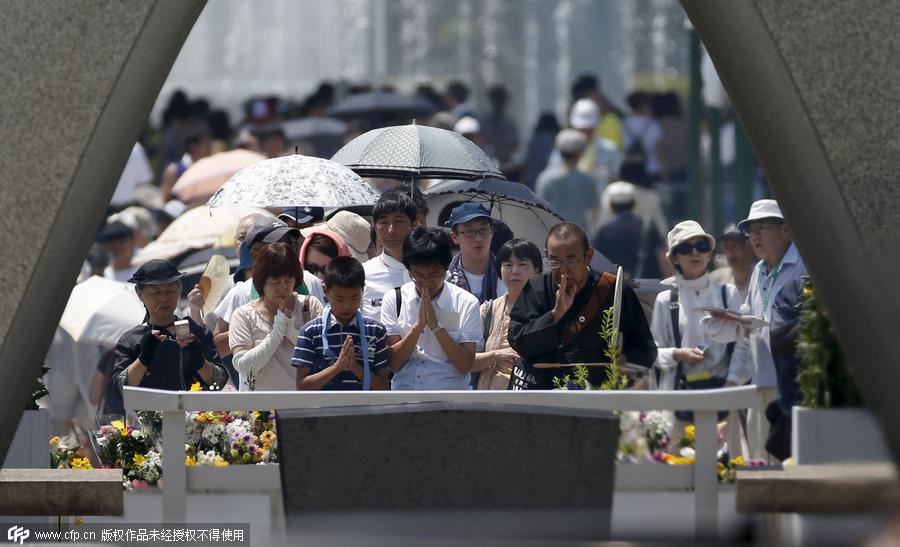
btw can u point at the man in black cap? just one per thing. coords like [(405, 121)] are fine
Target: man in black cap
[(739, 254), (302, 217), (157, 353), (117, 240)]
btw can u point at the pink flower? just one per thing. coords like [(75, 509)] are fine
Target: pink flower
[(138, 484)]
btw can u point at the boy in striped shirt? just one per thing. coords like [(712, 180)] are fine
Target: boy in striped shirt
[(330, 353)]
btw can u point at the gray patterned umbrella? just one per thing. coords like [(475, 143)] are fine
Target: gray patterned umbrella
[(416, 151), (295, 180)]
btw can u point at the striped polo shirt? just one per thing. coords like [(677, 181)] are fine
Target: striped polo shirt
[(309, 350)]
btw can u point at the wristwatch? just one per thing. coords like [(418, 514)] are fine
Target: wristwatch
[(437, 327)]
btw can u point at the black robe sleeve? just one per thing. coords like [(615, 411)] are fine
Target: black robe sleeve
[(532, 329)]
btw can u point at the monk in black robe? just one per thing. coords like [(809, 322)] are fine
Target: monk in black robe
[(559, 315)]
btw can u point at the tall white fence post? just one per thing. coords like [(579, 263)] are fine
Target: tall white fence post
[(706, 483), (174, 471)]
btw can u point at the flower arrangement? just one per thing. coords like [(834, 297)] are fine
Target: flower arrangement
[(66, 453), (822, 374), (214, 438), (647, 436), (231, 438)]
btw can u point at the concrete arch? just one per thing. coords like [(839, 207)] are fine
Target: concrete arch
[(815, 84), (79, 81)]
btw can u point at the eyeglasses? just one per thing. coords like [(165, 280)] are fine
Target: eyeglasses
[(557, 264), (428, 278), (757, 229), (687, 247), (482, 232)]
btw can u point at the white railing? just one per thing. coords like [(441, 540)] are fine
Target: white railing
[(701, 476)]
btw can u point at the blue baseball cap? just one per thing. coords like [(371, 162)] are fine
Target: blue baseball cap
[(246, 261), (466, 212)]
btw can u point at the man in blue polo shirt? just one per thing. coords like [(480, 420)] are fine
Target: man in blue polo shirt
[(330, 353)]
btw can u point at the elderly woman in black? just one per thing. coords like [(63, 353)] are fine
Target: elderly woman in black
[(157, 354)]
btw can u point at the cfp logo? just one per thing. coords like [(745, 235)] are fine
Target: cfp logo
[(18, 534)]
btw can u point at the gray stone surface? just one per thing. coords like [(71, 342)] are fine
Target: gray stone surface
[(61, 492), (79, 79), (812, 489), (456, 468), (815, 82)]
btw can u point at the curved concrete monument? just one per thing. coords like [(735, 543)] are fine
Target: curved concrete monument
[(816, 82), (79, 80)]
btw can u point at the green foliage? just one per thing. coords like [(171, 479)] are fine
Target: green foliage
[(822, 374), (39, 390), (615, 379)]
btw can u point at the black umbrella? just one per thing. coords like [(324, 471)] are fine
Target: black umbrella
[(382, 105), (322, 136), (416, 151), (528, 216)]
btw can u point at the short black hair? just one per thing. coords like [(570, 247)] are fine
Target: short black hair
[(638, 99), (584, 86), (522, 249), (566, 231), (427, 246), (622, 207), (394, 201), (346, 272), (458, 91), (418, 196)]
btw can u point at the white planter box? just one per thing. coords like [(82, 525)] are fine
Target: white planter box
[(30, 447), (832, 435)]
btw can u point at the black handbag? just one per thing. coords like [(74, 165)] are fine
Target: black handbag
[(685, 381)]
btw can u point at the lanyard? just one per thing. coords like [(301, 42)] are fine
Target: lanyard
[(363, 343), (770, 285)]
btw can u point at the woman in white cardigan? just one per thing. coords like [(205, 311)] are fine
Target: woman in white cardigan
[(702, 358), (704, 363)]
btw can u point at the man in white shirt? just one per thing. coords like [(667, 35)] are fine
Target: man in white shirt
[(432, 341), (779, 267), (474, 269), (394, 215)]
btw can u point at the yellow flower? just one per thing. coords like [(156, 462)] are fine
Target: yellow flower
[(690, 433), (138, 459), (234, 453), (54, 441), (78, 521), (120, 427), (220, 462), (196, 386), (189, 461), (80, 463), (737, 462), (267, 436), (807, 291)]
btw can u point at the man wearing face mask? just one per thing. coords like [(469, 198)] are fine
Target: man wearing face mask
[(161, 353), (558, 317)]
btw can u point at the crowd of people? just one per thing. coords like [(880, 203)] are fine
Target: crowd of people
[(334, 301)]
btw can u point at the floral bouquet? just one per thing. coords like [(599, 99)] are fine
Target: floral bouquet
[(231, 438), (66, 453)]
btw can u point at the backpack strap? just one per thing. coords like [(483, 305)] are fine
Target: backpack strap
[(674, 306), (399, 302), (729, 350)]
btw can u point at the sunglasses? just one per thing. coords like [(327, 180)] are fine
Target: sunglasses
[(687, 247)]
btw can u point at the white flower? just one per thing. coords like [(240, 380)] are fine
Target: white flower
[(687, 452)]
